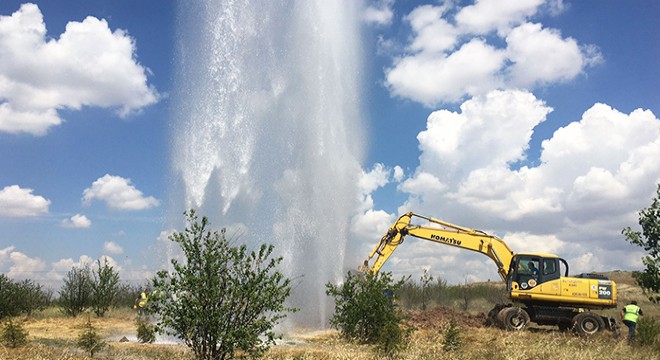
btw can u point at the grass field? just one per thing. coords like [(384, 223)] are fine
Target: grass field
[(53, 336)]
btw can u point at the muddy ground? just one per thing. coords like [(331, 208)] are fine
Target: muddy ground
[(440, 317)]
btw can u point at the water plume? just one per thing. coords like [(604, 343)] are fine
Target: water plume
[(267, 136)]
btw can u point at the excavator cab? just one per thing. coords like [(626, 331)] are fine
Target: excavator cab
[(528, 271)]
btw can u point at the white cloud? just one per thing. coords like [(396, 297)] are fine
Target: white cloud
[(448, 146), (24, 267), (433, 33), (448, 58), (594, 175), (118, 193), (369, 182), (113, 248), (423, 183), (371, 224), (542, 56), (64, 265), (398, 174), (88, 65), (4, 257), (487, 15), (77, 222), (526, 242), (380, 14), (430, 78), (18, 202)]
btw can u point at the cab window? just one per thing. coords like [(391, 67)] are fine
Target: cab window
[(549, 266)]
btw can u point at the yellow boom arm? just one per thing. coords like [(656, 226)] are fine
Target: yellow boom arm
[(448, 234)]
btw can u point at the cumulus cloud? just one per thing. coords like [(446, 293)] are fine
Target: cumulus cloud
[(19, 266), (370, 181), (542, 56), (488, 15), (113, 248), (380, 13), (448, 57), (88, 65), (431, 78), (594, 175), (18, 202), (77, 222), (118, 193), (23, 266)]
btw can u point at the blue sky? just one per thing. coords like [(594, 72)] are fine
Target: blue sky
[(534, 120)]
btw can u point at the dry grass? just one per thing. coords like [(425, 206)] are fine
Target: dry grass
[(53, 336), (478, 343), (55, 339)]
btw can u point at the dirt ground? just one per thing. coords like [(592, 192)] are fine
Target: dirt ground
[(440, 317)]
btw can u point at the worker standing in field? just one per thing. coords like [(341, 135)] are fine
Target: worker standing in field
[(141, 303), (630, 314)]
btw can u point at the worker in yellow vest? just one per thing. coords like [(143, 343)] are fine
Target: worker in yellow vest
[(630, 314), (141, 303)]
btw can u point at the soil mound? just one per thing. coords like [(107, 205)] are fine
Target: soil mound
[(440, 317)]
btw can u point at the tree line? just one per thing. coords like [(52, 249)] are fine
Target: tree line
[(84, 288)]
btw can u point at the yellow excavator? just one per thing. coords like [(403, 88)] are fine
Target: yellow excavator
[(539, 283)]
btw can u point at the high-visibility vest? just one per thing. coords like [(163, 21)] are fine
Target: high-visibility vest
[(143, 300), (632, 313)]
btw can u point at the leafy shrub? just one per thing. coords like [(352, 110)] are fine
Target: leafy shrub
[(223, 299), (648, 330), (13, 335), (146, 332), (89, 340), (365, 310)]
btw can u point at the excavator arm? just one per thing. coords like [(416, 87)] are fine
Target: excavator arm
[(444, 233)]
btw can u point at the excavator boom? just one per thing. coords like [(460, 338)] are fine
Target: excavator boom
[(445, 233)]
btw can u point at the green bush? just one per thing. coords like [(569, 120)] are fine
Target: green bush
[(13, 335), (146, 332), (223, 298), (648, 330), (365, 310), (452, 340)]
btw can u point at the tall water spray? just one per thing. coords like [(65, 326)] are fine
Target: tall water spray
[(267, 134)]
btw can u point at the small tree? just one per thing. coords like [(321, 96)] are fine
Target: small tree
[(89, 340), (452, 340), (9, 301), (426, 280), (649, 240), (13, 335), (75, 294), (365, 309), (222, 299), (105, 288), (466, 295)]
